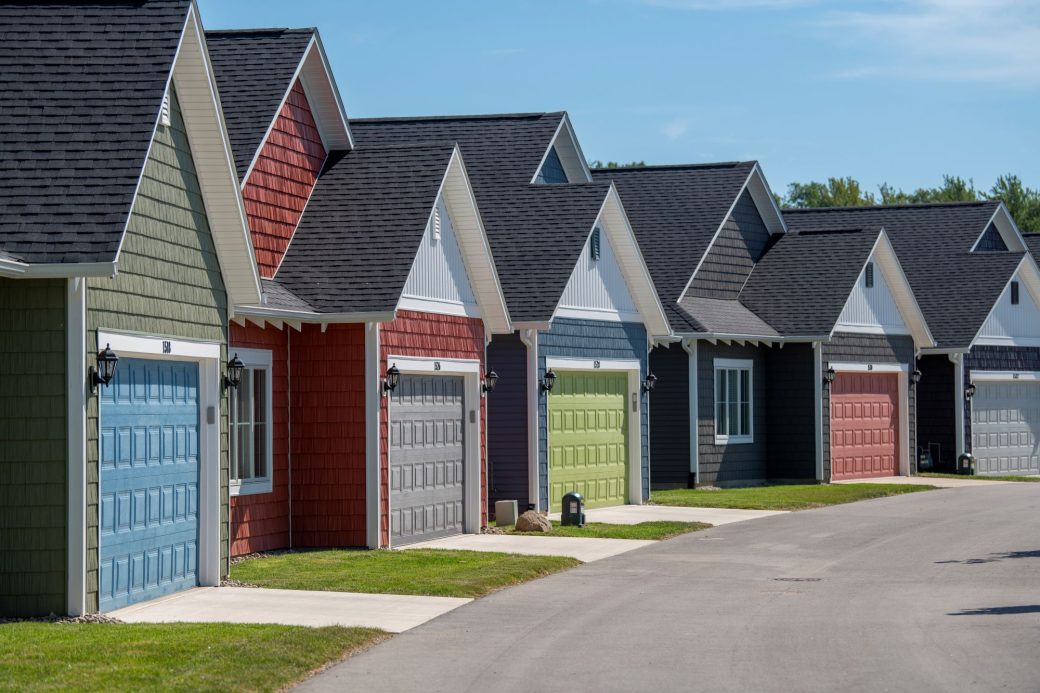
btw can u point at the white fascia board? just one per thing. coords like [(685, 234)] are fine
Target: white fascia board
[(1029, 274), (15, 269), (264, 312), (765, 202), (324, 98), (1008, 229), (786, 339), (613, 219), (575, 148), (939, 351)]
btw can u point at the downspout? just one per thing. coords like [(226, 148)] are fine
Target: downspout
[(530, 340), (958, 404), (690, 347)]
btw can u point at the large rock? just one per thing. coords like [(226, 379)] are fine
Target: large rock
[(532, 521)]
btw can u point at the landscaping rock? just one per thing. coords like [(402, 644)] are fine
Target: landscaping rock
[(532, 521)]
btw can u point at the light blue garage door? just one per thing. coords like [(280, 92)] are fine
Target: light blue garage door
[(149, 481)]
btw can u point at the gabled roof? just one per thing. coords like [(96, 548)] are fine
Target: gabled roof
[(81, 84), (1032, 241), (955, 288)]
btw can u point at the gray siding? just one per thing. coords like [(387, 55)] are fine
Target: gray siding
[(507, 422), (733, 255), (590, 339), (936, 409), (33, 450), (791, 407), (736, 462), (995, 358), (670, 418), (991, 240), (868, 348)]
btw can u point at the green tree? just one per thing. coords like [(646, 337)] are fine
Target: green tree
[(596, 163), (836, 192), (1023, 203)]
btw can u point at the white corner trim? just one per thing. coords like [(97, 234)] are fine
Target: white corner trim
[(978, 376), (76, 355), (693, 374), (415, 364), (161, 347), (958, 402), (842, 367), (529, 338), (575, 364), (373, 426)]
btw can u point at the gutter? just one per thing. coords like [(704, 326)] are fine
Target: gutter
[(312, 316), (14, 268)]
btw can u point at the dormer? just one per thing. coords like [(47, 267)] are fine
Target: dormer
[(1000, 234), (563, 161)]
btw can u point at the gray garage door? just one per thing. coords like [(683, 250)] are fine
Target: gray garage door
[(1005, 427), (427, 456)]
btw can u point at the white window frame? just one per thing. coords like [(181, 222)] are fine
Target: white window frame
[(733, 365), (253, 359)]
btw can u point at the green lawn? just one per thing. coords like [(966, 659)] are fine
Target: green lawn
[(1006, 477), (781, 497), (600, 530), (168, 657), (432, 572)]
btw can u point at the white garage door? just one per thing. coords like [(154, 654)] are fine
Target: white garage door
[(1005, 427)]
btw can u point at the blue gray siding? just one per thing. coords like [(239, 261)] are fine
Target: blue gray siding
[(791, 412), (995, 358), (507, 422), (991, 240), (670, 418), (733, 255), (590, 339)]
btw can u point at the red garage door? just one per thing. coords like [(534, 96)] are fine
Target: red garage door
[(864, 425)]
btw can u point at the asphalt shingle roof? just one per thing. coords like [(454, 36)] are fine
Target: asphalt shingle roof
[(81, 84), (278, 297), (536, 232), (955, 288), (725, 316), (1033, 243), (254, 70)]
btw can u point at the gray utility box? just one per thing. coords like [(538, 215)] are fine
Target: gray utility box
[(505, 513)]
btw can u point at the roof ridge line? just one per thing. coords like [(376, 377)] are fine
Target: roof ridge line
[(906, 205), (652, 167), (477, 116)]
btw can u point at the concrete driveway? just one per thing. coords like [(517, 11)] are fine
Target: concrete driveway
[(393, 613), (919, 592), (634, 514), (941, 482), (585, 550)]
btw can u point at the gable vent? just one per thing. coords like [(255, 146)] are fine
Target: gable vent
[(436, 223), (1014, 293), (164, 111), (868, 275), (594, 244)]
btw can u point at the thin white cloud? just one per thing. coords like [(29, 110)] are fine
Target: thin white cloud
[(995, 41), (674, 129)]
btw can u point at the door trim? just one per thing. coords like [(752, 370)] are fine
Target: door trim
[(470, 371), (902, 371), (1000, 376), (633, 405), (207, 355)]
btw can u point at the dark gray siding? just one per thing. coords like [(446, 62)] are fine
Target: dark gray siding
[(736, 462), (590, 339), (995, 358), (991, 240), (507, 422), (791, 406), (734, 253), (670, 418), (936, 413), (868, 348)]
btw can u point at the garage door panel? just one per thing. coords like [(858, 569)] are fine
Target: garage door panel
[(1005, 420), (864, 425)]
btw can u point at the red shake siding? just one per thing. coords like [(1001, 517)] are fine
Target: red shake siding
[(260, 521), (328, 441), (281, 181), (429, 335)]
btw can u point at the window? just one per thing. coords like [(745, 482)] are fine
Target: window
[(1014, 293), (868, 275), (250, 425), (733, 401)]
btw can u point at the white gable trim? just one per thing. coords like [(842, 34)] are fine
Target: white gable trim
[(571, 156), (457, 194), (860, 313), (597, 289), (762, 196), (1028, 276), (1007, 228), (884, 257)]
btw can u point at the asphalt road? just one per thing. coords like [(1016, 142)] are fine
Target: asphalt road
[(937, 591)]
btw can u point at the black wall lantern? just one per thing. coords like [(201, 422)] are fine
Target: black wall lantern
[(828, 377), (393, 377), (234, 372), (649, 383), (490, 380), (915, 377), (106, 368), (548, 380), (969, 391)]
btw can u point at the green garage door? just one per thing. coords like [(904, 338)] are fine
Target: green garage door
[(588, 438)]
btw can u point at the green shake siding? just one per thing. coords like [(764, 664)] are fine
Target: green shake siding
[(169, 284), (32, 447)]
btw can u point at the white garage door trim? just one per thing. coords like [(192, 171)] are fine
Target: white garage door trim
[(635, 448), (207, 355), (981, 376), (903, 370), (469, 369)]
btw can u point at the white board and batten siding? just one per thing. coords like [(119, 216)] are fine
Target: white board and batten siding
[(872, 310), (597, 289), (438, 281), (1009, 324)]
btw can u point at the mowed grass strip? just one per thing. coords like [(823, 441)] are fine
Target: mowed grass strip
[(655, 530), (169, 657), (1003, 477), (782, 497), (431, 572)]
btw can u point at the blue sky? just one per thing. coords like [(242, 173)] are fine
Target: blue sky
[(901, 91)]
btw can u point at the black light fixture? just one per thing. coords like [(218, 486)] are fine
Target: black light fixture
[(915, 377), (490, 380), (393, 377), (649, 383), (548, 380), (828, 377), (234, 372), (106, 368), (969, 391)]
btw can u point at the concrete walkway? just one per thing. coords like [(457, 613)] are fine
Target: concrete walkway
[(585, 550), (941, 482), (393, 613), (634, 514)]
